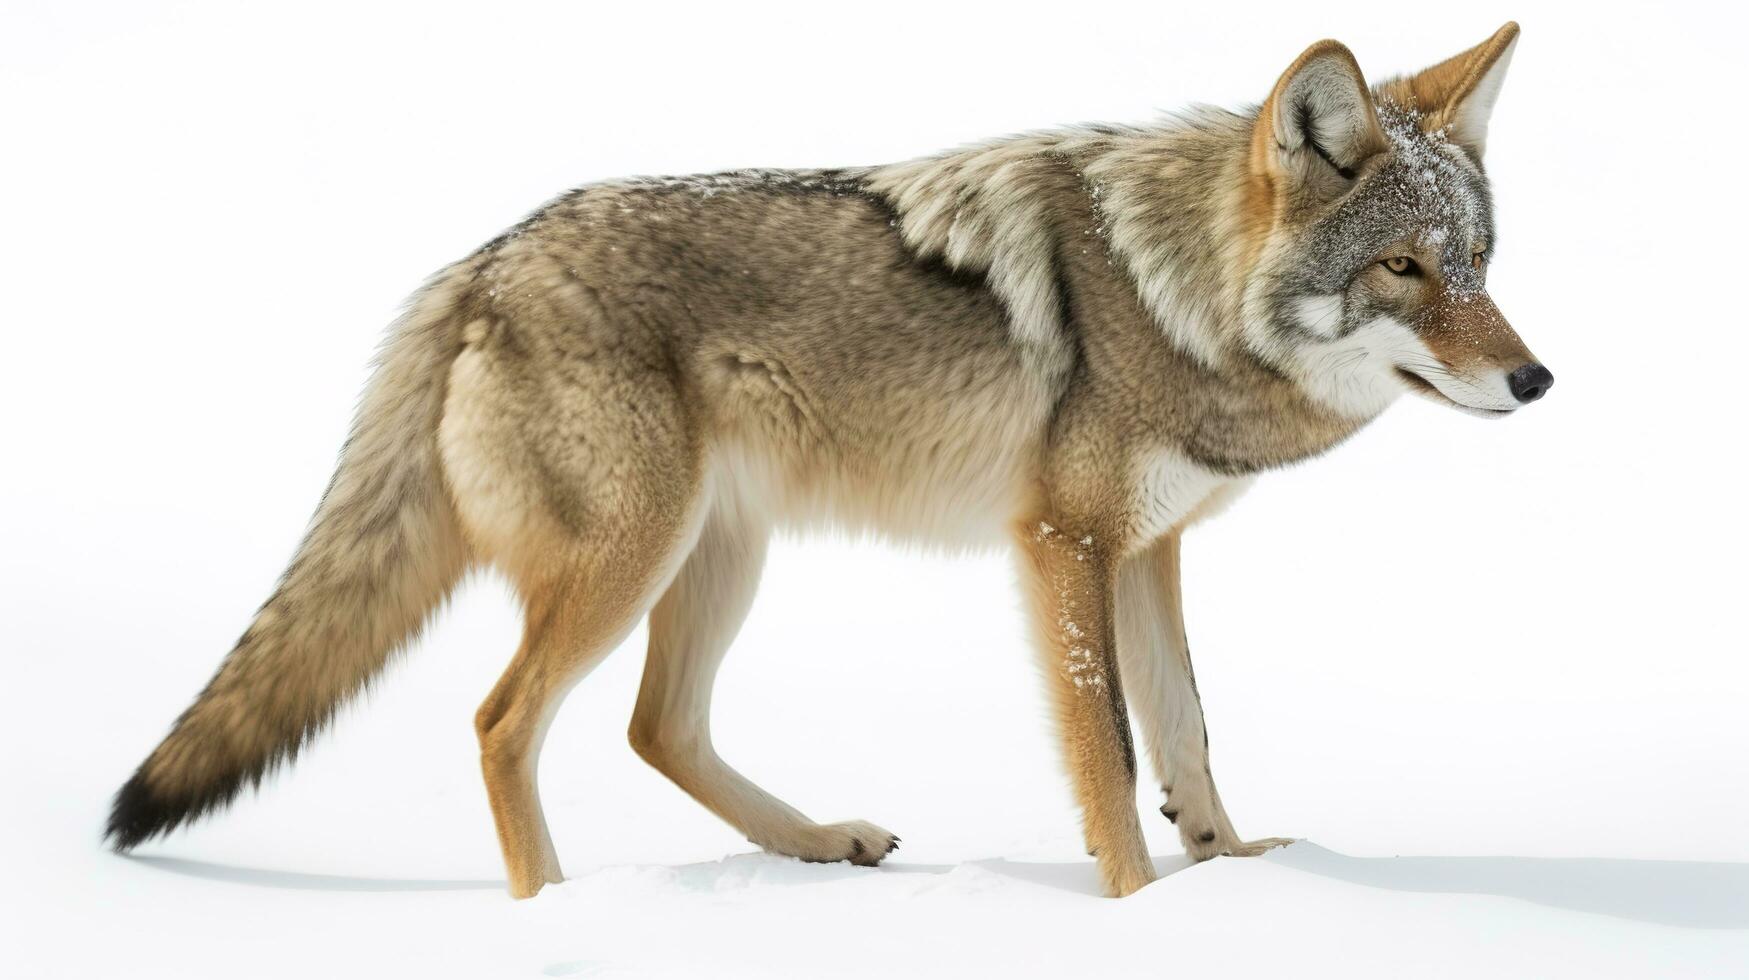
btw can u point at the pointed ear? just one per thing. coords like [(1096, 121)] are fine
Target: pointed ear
[(1319, 125), (1458, 93)]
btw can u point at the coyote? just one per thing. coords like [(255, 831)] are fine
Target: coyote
[(1078, 343)]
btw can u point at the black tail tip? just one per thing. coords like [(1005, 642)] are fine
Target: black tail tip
[(138, 815)]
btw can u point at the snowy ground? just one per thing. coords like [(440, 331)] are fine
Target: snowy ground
[(1494, 674)]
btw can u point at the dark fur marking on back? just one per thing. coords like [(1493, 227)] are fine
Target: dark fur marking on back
[(934, 265), (937, 267)]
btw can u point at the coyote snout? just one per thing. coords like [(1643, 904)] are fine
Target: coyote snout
[(1473, 359)]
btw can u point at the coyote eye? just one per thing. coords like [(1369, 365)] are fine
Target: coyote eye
[(1402, 265)]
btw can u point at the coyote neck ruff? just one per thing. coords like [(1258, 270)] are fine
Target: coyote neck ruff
[(1076, 343)]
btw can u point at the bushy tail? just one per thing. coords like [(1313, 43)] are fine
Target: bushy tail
[(382, 552)]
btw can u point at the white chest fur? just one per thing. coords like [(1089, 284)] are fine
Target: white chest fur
[(1170, 488)]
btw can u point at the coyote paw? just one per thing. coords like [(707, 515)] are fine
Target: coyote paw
[(1252, 848), (1203, 841), (855, 841), (1207, 844)]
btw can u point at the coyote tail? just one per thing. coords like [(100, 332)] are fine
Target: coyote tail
[(383, 550)]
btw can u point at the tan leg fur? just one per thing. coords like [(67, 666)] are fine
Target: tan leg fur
[(1156, 667), (690, 631), (1069, 577)]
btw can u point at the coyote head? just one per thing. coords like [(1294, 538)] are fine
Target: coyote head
[(1373, 230)]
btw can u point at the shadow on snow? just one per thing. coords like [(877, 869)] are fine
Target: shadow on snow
[(1693, 894)]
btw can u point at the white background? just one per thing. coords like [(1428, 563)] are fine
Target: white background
[(1448, 638)]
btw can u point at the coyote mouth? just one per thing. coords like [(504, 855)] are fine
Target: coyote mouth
[(1427, 389)]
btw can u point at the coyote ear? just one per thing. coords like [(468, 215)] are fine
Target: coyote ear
[(1319, 125), (1458, 93)]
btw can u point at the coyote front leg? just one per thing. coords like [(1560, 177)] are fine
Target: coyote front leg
[(1069, 577), (1156, 668)]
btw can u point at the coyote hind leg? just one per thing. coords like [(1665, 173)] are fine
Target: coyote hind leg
[(581, 609), (691, 629), (511, 725), (577, 470)]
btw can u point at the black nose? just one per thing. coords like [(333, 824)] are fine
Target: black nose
[(1530, 382)]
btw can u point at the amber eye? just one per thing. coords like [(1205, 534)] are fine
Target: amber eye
[(1402, 265), (1478, 259)]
